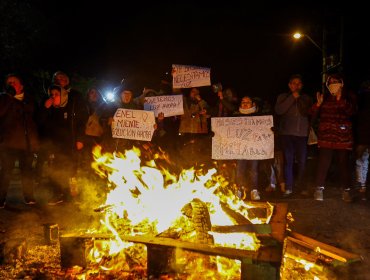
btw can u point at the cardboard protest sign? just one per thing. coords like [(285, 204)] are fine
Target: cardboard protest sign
[(133, 124), (169, 105), (187, 76), (243, 137)]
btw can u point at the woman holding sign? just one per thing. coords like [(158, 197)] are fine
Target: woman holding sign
[(126, 101), (247, 170)]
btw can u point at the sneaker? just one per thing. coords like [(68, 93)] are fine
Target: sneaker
[(56, 200), (241, 193), (271, 188), (363, 193), (282, 187), (287, 193), (255, 195), (319, 193), (30, 202), (346, 195)]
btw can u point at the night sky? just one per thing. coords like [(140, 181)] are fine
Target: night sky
[(248, 48)]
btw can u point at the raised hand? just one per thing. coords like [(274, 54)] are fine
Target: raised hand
[(320, 98)]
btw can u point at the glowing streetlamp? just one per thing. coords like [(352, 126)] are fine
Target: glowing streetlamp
[(322, 49)]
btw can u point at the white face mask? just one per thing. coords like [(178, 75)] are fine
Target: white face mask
[(335, 88)]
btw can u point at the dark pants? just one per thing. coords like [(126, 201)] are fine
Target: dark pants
[(247, 174), (295, 149), (195, 150), (343, 163), (8, 158), (62, 166), (277, 168)]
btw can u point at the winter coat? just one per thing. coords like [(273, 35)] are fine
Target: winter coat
[(18, 129), (293, 112), (191, 121), (335, 123), (62, 127)]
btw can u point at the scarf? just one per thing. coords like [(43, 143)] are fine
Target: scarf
[(64, 97), (248, 111)]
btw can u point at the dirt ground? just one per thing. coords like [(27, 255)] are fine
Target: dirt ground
[(332, 221)]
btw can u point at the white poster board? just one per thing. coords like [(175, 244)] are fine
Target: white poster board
[(188, 76), (133, 124), (243, 137), (169, 105)]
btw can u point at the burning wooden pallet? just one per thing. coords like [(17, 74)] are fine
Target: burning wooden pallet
[(306, 258), (261, 264), (292, 257)]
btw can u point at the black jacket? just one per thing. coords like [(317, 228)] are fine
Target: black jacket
[(62, 127), (18, 129)]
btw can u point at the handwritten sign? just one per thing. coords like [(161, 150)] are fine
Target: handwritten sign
[(187, 76), (169, 105), (243, 138), (133, 124)]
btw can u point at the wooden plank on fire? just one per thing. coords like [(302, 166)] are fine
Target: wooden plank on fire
[(239, 218), (264, 254), (280, 213), (278, 221), (256, 228), (325, 249)]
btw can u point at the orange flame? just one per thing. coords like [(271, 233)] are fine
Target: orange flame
[(144, 199)]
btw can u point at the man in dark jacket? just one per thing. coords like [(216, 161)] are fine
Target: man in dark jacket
[(292, 108), (62, 124), (18, 137)]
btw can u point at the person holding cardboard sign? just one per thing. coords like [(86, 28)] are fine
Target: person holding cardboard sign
[(126, 101), (247, 170)]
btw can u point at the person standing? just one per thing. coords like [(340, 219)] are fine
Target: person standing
[(227, 104), (62, 123), (247, 171), (194, 129), (292, 108), (126, 101), (227, 101), (362, 138), (94, 131), (18, 137), (335, 135), (97, 121)]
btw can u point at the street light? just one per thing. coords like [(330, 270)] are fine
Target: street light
[(322, 49)]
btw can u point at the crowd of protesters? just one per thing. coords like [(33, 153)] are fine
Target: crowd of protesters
[(61, 130)]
